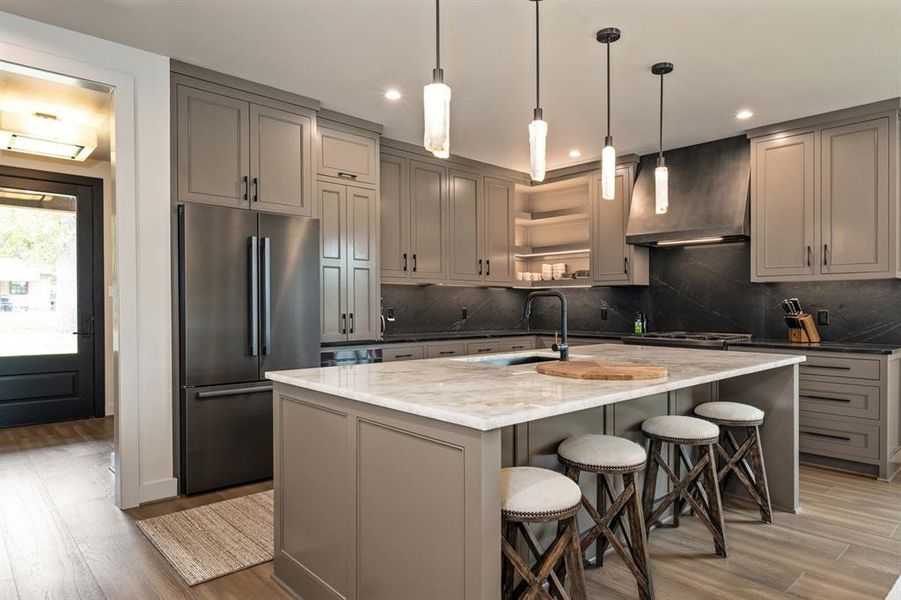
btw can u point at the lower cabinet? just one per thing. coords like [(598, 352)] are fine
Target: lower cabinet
[(393, 354), (348, 262), (445, 350)]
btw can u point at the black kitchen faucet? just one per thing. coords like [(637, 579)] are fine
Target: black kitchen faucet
[(563, 346)]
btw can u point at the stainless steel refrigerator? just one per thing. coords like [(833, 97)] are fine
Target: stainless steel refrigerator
[(248, 286)]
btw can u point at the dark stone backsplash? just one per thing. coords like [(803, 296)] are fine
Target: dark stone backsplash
[(699, 288)]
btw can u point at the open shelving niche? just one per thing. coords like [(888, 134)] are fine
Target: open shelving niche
[(553, 225)]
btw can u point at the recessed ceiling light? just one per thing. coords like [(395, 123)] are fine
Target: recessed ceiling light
[(392, 94), (574, 153), (744, 114)]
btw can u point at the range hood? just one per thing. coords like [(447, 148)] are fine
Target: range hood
[(709, 196)]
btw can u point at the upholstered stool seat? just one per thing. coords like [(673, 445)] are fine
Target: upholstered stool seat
[(745, 460), (698, 487), (604, 452), (533, 495), (534, 491), (606, 456), (730, 413)]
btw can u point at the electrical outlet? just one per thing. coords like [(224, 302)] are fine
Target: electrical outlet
[(464, 313), (603, 314), (822, 317), (390, 314)]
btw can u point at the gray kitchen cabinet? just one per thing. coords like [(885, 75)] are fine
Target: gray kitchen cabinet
[(524, 343), (445, 350), (280, 159), (347, 155), (348, 262), (498, 230), (854, 197), (394, 216), (212, 147), (465, 223), (398, 353), (782, 183), (428, 193), (613, 261), (486, 347), (825, 197)]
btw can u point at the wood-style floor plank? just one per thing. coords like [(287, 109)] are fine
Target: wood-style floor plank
[(55, 479)]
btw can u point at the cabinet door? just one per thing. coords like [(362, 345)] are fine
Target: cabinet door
[(855, 182), (280, 161), (464, 252), (332, 210), (428, 188), (362, 265), (394, 216), (499, 210), (782, 201), (213, 148), (609, 251), (346, 155)]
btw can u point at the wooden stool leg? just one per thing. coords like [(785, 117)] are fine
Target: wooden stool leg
[(638, 537), (508, 575), (678, 503), (714, 503), (650, 481), (757, 464), (573, 559), (601, 504)]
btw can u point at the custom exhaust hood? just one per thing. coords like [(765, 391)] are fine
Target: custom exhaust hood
[(709, 196)]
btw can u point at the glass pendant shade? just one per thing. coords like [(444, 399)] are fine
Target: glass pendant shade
[(436, 110), (538, 149), (661, 190), (608, 172)]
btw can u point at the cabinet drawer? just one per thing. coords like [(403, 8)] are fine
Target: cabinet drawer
[(516, 345), (442, 350), (834, 398), (862, 368), (402, 353), (838, 438), (483, 347), (346, 155)]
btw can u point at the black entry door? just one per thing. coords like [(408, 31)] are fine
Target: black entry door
[(51, 297)]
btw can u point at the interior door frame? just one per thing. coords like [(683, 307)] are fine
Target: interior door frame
[(97, 283)]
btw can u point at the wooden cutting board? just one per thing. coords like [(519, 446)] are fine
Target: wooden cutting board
[(602, 369)]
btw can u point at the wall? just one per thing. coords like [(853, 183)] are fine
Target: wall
[(140, 236)]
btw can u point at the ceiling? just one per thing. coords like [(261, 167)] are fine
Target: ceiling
[(780, 59)]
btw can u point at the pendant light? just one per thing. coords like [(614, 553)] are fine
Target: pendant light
[(436, 98), (607, 36), (661, 174), (538, 126)]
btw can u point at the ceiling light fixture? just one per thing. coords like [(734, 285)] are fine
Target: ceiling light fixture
[(607, 36), (46, 135), (392, 94), (744, 114), (574, 153), (661, 173), (538, 126), (436, 98)]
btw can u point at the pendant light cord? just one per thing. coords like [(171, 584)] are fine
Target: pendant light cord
[(661, 117), (537, 59), (437, 35), (608, 89)]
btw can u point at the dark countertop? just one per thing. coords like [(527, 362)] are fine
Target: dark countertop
[(413, 338), (848, 347)]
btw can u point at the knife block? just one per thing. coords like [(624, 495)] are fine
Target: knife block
[(802, 329)]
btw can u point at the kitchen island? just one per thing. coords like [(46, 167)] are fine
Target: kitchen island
[(387, 475)]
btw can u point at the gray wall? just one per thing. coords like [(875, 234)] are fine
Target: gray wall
[(700, 288)]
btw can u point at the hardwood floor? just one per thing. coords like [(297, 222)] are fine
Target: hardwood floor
[(62, 537)]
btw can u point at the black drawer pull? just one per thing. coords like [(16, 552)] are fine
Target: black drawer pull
[(826, 435), (344, 175), (825, 398), (403, 356), (405, 261), (835, 367), (484, 349), (447, 352)]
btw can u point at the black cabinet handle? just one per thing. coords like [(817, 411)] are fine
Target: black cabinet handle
[(825, 255), (484, 349), (487, 267), (344, 175), (414, 262), (626, 265), (480, 266), (826, 435), (447, 352), (405, 262), (256, 189), (825, 398), (835, 367), (244, 185), (808, 254), (403, 356), (351, 322), (343, 323)]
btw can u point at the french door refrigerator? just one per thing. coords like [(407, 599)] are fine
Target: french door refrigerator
[(248, 286)]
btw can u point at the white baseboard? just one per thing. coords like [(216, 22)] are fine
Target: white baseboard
[(158, 490)]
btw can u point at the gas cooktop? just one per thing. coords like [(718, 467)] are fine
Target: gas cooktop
[(686, 338)]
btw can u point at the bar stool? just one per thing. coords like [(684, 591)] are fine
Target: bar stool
[(730, 415), (533, 495), (699, 486), (607, 455)]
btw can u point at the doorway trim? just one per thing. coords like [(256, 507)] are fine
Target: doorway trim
[(97, 281)]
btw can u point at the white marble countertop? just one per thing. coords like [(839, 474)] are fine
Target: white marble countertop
[(467, 392)]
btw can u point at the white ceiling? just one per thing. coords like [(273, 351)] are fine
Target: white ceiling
[(781, 59)]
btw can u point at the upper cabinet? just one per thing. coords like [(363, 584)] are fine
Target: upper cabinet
[(238, 150), (498, 230), (613, 261), (428, 221), (824, 197), (346, 155)]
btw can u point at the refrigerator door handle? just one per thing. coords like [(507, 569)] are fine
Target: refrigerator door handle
[(233, 392), (253, 291), (266, 301)]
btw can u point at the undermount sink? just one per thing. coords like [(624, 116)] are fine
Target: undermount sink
[(508, 361)]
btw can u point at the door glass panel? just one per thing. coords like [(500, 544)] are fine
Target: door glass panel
[(38, 275)]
